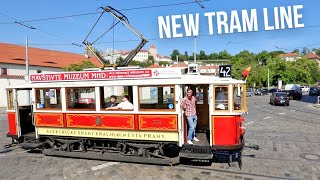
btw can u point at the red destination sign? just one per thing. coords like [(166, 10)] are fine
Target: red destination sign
[(94, 75)]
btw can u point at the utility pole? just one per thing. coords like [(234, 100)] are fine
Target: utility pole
[(27, 61), (268, 78), (177, 57), (195, 50), (27, 71)]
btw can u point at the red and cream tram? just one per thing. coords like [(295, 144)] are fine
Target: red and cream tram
[(64, 114)]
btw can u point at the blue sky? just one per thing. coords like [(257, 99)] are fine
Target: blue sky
[(55, 34)]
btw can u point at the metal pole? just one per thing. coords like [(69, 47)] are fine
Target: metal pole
[(27, 71), (177, 57), (195, 50), (268, 78), (27, 61), (113, 62)]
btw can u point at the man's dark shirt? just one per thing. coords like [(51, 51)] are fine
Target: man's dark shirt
[(111, 104)]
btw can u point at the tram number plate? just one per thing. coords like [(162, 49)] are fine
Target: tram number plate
[(225, 71)]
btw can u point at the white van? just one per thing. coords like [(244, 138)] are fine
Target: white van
[(295, 87)]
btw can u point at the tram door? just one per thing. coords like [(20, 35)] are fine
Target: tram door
[(23, 111), (201, 93)]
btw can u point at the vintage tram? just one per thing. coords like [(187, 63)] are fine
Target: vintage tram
[(64, 114)]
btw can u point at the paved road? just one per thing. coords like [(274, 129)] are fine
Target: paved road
[(289, 138)]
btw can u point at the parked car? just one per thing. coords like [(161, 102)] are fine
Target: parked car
[(314, 91), (304, 88), (249, 92), (261, 92), (277, 98)]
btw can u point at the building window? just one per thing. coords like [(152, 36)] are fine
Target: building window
[(48, 98), (83, 98), (4, 71), (112, 97), (156, 97), (38, 71)]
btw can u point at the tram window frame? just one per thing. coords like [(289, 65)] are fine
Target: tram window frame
[(214, 99), (128, 90), (89, 106), (172, 90), (242, 98), (10, 104), (57, 94)]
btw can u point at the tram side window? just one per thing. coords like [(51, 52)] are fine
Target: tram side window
[(156, 97), (81, 98), (10, 99), (113, 96), (221, 98), (48, 98), (238, 103)]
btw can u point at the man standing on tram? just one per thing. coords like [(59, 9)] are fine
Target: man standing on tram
[(189, 105)]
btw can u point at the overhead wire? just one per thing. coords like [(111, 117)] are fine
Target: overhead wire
[(125, 9)]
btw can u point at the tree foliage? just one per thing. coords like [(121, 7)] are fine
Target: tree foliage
[(79, 67)]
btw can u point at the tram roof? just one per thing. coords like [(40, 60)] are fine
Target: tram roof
[(141, 77)]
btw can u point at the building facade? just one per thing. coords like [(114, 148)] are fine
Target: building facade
[(13, 64)]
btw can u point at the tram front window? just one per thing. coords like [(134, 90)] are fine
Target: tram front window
[(81, 98), (221, 98)]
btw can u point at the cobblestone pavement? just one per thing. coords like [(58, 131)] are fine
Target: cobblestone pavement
[(289, 138)]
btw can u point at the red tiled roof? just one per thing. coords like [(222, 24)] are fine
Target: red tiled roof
[(155, 66), (312, 56), (290, 55), (179, 65), (153, 46), (15, 54)]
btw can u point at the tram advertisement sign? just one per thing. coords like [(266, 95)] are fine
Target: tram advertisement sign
[(225, 71), (104, 75)]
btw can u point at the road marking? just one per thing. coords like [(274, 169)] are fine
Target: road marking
[(249, 123), (101, 166), (282, 113), (293, 110), (267, 118)]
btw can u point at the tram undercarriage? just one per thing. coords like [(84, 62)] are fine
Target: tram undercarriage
[(163, 153)]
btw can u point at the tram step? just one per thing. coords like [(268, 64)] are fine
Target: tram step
[(195, 156), (196, 152)]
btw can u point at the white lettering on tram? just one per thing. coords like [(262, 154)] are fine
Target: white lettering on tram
[(99, 75), (71, 76)]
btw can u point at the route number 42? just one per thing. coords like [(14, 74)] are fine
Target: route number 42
[(225, 71)]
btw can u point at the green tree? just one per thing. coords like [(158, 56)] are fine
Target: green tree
[(263, 57), (296, 51), (174, 54), (202, 55), (79, 67), (214, 56), (224, 55)]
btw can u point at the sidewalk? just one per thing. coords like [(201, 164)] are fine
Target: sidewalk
[(3, 110)]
